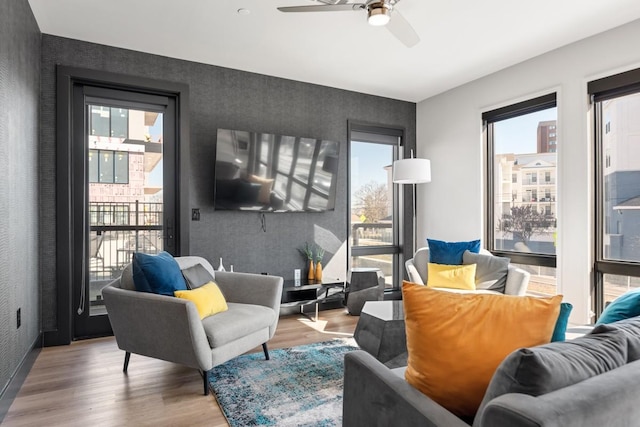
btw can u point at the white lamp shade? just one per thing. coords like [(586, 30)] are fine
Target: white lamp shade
[(412, 171)]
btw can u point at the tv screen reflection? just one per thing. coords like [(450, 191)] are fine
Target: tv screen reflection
[(274, 173)]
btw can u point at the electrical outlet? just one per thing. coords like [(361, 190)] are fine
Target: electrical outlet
[(18, 318), (195, 214)]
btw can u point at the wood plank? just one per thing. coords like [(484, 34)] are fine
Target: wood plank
[(83, 384)]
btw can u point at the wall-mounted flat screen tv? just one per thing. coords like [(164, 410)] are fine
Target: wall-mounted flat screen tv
[(265, 172)]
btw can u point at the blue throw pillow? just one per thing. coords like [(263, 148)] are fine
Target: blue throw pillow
[(625, 306), (450, 253), (560, 329), (158, 274)]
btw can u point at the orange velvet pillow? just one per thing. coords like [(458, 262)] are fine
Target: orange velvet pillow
[(456, 341)]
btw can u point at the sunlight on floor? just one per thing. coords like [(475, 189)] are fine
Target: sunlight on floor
[(320, 326)]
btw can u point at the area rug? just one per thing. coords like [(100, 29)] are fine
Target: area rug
[(299, 386)]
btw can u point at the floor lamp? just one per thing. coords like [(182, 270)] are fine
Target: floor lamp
[(412, 171)]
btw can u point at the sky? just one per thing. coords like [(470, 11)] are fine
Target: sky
[(519, 135), (368, 162)]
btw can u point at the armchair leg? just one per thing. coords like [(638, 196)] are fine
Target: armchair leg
[(266, 351), (205, 378), (127, 356)]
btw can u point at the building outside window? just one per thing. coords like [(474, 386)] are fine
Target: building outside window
[(524, 229)]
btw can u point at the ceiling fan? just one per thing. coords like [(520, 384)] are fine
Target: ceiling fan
[(379, 12)]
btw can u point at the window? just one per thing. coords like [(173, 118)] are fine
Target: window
[(108, 167), (617, 135), (109, 122), (523, 229), (514, 178), (374, 206)]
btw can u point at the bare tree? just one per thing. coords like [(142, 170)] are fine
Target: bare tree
[(523, 222), (373, 198)]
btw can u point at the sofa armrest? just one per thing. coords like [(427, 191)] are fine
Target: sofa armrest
[(608, 399), (376, 396), (517, 281), (157, 326)]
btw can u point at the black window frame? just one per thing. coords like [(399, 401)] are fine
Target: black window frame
[(603, 89), (488, 119), (395, 249)]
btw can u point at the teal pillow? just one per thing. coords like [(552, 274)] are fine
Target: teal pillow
[(450, 253), (625, 306), (561, 324), (158, 274)]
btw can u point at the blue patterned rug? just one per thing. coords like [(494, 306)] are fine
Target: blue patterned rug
[(299, 386)]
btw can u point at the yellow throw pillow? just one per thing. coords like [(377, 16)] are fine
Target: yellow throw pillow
[(451, 276), (456, 341), (208, 299)]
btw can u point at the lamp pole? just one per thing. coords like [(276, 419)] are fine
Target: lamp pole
[(412, 171)]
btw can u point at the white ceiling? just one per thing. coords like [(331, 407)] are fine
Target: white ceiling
[(461, 40)]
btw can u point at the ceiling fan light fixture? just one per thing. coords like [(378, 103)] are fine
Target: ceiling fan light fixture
[(379, 14)]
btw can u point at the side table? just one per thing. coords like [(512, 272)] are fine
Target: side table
[(381, 332)]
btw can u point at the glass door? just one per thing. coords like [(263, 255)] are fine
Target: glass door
[(125, 203), (123, 162)]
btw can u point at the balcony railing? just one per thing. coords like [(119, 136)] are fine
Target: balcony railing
[(117, 230)]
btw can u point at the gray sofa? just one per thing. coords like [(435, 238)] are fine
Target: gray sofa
[(170, 328), (593, 380)]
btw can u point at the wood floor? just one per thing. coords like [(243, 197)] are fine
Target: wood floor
[(83, 384)]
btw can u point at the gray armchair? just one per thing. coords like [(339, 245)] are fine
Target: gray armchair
[(517, 278), (170, 328)]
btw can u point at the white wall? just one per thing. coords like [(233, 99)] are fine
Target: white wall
[(449, 132)]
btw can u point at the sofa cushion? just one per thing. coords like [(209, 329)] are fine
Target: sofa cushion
[(452, 276), (543, 369), (625, 306), (631, 328), (491, 271), (456, 341), (159, 274), (238, 321), (196, 276), (207, 298), (450, 252)]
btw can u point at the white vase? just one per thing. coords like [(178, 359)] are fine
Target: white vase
[(221, 267)]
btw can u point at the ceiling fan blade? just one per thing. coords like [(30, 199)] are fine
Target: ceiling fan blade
[(323, 8), (402, 30)]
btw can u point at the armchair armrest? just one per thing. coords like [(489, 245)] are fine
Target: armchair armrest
[(517, 281), (376, 396), (412, 272), (157, 326)]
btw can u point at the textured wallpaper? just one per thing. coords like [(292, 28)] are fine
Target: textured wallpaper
[(231, 99), (19, 118)]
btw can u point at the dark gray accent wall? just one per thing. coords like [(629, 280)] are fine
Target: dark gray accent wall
[(232, 99), (19, 119)]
